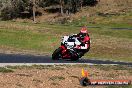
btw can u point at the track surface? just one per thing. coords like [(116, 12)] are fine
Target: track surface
[(12, 58)]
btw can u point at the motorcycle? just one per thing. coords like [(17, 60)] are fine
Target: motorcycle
[(69, 49)]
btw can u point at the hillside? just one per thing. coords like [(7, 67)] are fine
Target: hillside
[(103, 11)]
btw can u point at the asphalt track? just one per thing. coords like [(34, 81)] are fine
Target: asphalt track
[(16, 58)]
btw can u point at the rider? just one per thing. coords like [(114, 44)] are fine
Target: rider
[(83, 38)]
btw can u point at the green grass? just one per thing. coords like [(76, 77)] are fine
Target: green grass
[(43, 37), (5, 70)]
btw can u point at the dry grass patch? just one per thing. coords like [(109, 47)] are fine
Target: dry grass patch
[(111, 47)]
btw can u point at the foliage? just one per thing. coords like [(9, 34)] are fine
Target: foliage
[(13, 9), (90, 2), (18, 8)]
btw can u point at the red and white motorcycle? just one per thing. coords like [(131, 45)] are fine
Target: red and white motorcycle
[(69, 49)]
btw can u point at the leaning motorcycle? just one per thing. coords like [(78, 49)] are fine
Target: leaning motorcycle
[(69, 49)]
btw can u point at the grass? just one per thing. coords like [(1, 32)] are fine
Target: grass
[(5, 70), (24, 40), (42, 37), (55, 78), (40, 67), (62, 67), (113, 67)]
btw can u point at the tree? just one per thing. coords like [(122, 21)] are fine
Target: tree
[(68, 6), (34, 10), (81, 3), (10, 9), (90, 2), (62, 6)]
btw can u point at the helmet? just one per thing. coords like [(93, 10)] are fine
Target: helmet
[(83, 32)]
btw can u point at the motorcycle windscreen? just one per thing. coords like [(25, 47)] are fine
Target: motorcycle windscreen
[(70, 45)]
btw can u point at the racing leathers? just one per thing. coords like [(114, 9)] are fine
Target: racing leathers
[(82, 45)]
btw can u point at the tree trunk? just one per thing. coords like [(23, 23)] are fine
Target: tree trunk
[(34, 10), (69, 6), (61, 7), (81, 4)]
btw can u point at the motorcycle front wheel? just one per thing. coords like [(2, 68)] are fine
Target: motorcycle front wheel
[(56, 54)]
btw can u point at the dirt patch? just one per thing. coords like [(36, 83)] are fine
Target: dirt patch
[(68, 77)]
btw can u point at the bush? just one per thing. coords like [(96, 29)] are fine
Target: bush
[(14, 9), (90, 2), (8, 13)]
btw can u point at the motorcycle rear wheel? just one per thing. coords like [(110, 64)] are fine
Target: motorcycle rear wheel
[(56, 54)]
